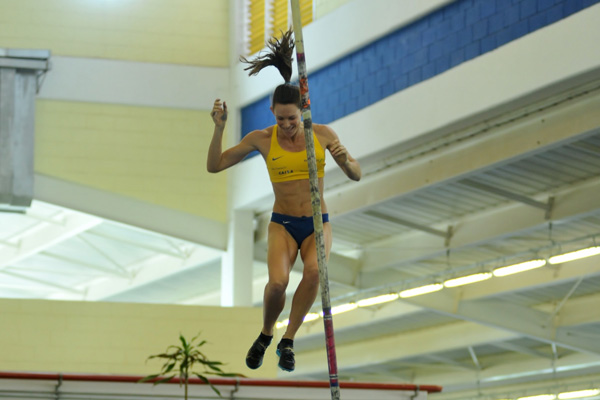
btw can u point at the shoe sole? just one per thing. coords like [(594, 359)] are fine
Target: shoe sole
[(279, 365), (253, 367)]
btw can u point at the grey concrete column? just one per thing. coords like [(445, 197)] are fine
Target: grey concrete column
[(19, 73)]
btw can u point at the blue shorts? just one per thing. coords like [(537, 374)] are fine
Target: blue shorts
[(299, 227)]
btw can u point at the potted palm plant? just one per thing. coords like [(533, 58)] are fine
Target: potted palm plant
[(181, 359)]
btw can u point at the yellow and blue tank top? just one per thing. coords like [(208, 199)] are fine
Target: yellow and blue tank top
[(286, 165)]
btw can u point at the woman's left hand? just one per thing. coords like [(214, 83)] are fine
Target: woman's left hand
[(339, 152)]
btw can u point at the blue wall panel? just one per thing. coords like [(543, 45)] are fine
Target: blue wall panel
[(456, 33)]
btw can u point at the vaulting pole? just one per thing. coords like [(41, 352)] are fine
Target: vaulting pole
[(316, 202)]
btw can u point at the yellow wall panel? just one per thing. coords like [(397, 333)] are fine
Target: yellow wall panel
[(256, 13), (156, 155), (279, 18), (190, 32), (112, 338)]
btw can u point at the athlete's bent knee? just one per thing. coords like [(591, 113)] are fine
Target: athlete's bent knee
[(311, 275), (277, 287)]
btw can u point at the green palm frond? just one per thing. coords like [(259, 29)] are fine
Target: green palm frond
[(205, 380), (149, 378), (183, 359), (163, 380)]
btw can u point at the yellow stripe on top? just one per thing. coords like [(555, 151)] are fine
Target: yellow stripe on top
[(286, 165)]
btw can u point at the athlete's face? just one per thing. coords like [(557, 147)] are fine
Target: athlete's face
[(287, 117)]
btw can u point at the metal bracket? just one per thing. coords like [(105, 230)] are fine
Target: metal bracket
[(235, 390), (550, 208), (449, 234), (417, 392), (566, 298), (40, 78), (57, 387), (474, 358)]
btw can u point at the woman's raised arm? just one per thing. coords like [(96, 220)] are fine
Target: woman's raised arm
[(217, 159)]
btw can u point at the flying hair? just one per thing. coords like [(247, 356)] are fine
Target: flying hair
[(280, 56)]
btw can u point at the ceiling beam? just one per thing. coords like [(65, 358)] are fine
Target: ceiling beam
[(27, 278), (523, 350), (579, 311), (499, 314), (494, 317), (509, 370), (173, 251), (450, 361), (480, 228), (47, 234), (80, 265), (496, 286), (157, 268), (447, 234), (400, 346), (203, 231), (576, 311), (360, 318), (509, 195)]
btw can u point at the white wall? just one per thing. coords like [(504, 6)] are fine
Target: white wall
[(134, 83)]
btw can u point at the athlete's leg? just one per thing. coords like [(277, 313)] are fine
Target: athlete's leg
[(308, 287), (281, 255)]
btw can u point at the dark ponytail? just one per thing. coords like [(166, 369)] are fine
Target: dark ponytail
[(281, 57)]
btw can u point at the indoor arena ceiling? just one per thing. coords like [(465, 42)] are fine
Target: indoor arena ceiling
[(410, 222)]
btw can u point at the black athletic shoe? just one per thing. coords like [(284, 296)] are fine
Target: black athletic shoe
[(286, 357), (255, 355)]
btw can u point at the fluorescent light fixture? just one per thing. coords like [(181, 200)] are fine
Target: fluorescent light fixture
[(579, 394), (421, 290), (565, 395), (371, 301), (465, 280), (311, 317), (574, 255), (343, 308), (539, 397), (281, 324), (516, 268)]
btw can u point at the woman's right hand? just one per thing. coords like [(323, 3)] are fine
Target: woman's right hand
[(219, 113)]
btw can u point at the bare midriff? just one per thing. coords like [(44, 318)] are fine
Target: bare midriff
[(293, 198)]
